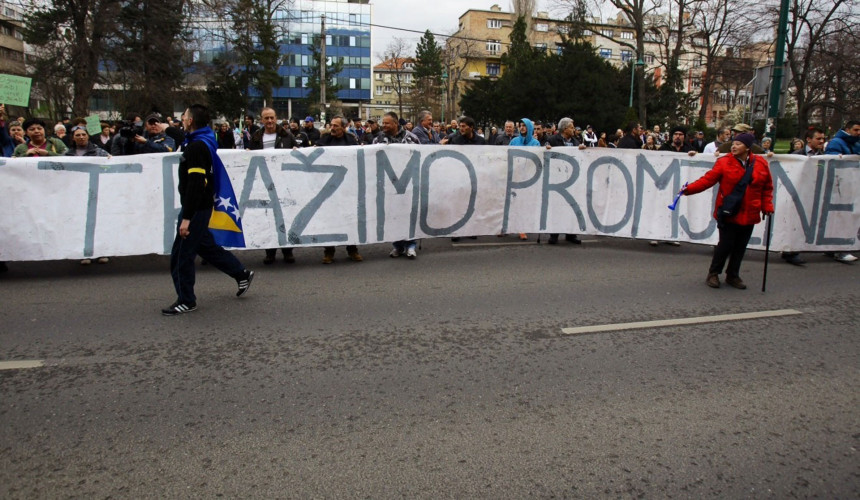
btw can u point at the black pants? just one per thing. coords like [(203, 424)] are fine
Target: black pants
[(732, 246), (198, 242)]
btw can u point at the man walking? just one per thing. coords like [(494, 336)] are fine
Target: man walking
[(196, 194)]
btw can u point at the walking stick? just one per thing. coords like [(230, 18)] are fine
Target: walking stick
[(766, 250)]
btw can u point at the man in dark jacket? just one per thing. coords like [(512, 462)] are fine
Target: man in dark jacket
[(424, 131), (301, 138), (466, 134), (273, 136), (311, 131), (678, 142), (814, 147), (373, 133), (339, 137), (193, 238), (564, 137), (153, 140), (631, 138), (506, 136)]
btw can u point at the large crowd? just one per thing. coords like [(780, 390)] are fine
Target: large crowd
[(732, 146)]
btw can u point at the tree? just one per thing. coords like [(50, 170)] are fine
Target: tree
[(333, 67), (396, 65), (455, 60), (225, 90), (718, 25), (637, 13), (811, 27), (428, 74), (147, 54), (78, 29), (256, 34)]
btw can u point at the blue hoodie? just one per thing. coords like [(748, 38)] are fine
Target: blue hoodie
[(528, 139), (843, 144)]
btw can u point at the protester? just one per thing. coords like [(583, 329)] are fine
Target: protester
[(8, 142), (465, 134), (506, 136), (104, 139), (424, 131), (796, 144), (698, 142), (650, 143), (225, 137), (723, 135), (589, 138), (273, 136), (814, 147), (678, 143), (81, 144), (39, 145), (196, 194), (564, 138), (301, 138), (372, 132), (311, 131), (631, 136), (339, 137), (393, 133), (845, 142), (736, 219), (153, 139)]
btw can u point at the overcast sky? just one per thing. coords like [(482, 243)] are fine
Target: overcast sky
[(439, 16)]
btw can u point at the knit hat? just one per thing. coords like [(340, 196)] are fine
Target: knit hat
[(746, 139)]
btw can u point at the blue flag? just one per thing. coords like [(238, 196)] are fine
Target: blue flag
[(225, 223)]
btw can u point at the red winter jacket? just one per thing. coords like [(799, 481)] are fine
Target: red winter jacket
[(728, 171)]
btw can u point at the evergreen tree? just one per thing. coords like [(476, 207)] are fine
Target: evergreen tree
[(147, 54), (78, 30), (225, 91), (427, 75)]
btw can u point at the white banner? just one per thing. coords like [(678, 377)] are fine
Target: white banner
[(70, 208)]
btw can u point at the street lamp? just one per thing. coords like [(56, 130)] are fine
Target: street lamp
[(639, 63)]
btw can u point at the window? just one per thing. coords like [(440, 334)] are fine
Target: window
[(649, 58), (352, 41), (494, 69), (304, 61), (606, 53), (388, 89), (627, 35), (626, 55), (559, 48), (328, 40), (304, 82), (587, 33), (607, 33), (541, 27), (494, 23), (540, 46), (494, 46), (353, 19), (407, 78), (379, 76), (305, 39), (353, 83)]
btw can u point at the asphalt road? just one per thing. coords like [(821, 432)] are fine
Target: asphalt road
[(444, 377)]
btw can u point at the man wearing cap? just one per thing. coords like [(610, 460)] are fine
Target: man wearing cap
[(153, 140), (742, 128), (679, 142), (311, 131), (698, 142), (371, 132)]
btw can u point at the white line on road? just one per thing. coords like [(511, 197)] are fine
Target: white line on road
[(19, 365), (677, 322)]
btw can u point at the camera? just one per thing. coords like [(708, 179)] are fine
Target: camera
[(129, 130)]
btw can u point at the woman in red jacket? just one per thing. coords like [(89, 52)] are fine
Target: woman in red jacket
[(735, 230)]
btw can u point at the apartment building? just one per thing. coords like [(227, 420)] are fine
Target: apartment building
[(392, 85), (11, 39)]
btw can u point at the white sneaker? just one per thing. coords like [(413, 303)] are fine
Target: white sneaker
[(653, 243), (411, 253), (395, 253), (844, 257)]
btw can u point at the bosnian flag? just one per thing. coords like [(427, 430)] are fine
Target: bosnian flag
[(225, 223)]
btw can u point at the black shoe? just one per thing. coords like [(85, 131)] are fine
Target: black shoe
[(270, 257), (3, 267), (553, 239), (288, 255), (244, 282), (455, 239), (793, 258), (572, 238), (178, 308)]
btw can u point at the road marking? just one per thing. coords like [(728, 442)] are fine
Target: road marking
[(463, 244), (19, 365), (677, 322)]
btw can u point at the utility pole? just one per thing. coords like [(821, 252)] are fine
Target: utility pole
[(322, 69), (778, 65)]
